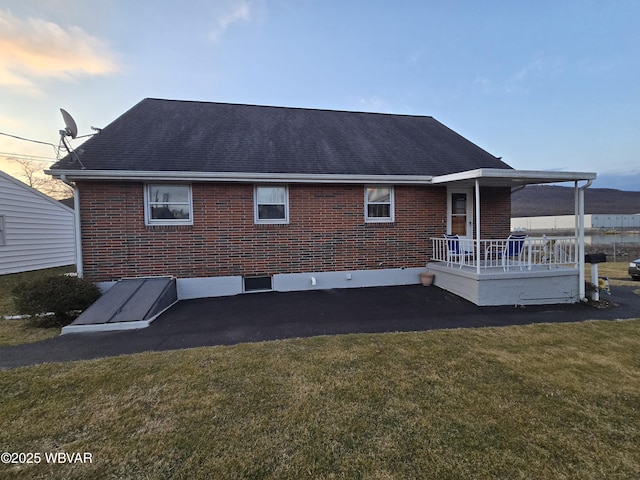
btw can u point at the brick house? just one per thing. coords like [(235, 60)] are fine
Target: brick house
[(233, 198)]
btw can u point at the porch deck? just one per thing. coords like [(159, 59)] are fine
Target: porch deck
[(543, 271)]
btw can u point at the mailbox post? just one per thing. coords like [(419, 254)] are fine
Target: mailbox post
[(594, 259)]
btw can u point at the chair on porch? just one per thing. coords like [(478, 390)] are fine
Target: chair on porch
[(455, 253), (510, 253), (556, 253)]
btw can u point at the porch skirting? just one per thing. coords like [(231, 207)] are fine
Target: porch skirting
[(492, 287)]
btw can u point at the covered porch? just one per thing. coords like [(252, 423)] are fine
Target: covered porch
[(517, 269), (542, 270)]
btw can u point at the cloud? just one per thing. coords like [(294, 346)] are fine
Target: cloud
[(10, 123), (629, 181), (533, 68), (36, 49), (372, 103), (414, 58), (239, 11), (523, 80)]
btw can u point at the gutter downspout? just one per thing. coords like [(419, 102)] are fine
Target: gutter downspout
[(78, 237), (579, 209)]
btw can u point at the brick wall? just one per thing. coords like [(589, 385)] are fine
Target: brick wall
[(495, 208), (326, 232)]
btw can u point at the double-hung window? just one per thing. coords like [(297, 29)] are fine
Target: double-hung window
[(271, 204), (378, 204), (168, 204)]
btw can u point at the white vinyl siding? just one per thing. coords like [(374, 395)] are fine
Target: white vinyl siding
[(271, 204), (378, 204), (38, 231), (168, 204)]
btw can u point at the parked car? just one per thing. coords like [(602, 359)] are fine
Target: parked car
[(634, 269)]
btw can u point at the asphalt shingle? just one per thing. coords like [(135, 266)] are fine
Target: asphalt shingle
[(172, 135)]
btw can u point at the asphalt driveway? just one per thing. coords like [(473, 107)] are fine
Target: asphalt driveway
[(270, 316)]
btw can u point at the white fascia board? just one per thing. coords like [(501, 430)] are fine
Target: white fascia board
[(514, 176), (126, 175)]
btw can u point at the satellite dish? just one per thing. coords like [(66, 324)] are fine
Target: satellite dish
[(71, 128)]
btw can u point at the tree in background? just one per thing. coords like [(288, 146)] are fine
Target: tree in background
[(33, 175)]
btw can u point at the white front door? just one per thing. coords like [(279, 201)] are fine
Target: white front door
[(460, 212)]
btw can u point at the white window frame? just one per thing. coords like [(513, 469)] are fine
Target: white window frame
[(391, 203), (3, 233), (269, 221), (167, 221), (469, 215)]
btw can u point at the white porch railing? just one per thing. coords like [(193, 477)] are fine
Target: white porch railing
[(550, 252)]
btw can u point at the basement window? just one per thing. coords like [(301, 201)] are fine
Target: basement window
[(257, 284)]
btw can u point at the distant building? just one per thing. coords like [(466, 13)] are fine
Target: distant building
[(36, 231), (613, 221)]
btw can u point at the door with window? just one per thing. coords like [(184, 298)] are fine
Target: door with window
[(460, 212)]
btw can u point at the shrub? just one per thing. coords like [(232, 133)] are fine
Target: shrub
[(62, 295)]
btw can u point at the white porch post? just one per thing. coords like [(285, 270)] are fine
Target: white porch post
[(579, 211), (576, 221), (477, 227)]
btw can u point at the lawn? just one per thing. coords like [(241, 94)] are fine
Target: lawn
[(13, 332), (616, 272), (546, 401)]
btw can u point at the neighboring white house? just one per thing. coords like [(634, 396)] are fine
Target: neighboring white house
[(567, 222), (36, 231)]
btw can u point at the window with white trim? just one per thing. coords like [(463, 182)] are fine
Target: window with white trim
[(271, 204), (168, 204), (378, 204), (3, 239)]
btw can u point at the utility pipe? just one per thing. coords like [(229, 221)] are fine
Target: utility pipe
[(78, 237)]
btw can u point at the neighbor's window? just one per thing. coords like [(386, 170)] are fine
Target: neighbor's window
[(378, 204), (3, 240), (168, 204), (271, 204)]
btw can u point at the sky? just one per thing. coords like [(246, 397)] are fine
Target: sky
[(546, 85)]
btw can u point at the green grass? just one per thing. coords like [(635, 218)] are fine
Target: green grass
[(617, 273), (13, 332), (556, 401)]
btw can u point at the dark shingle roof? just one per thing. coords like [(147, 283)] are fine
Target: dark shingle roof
[(170, 135)]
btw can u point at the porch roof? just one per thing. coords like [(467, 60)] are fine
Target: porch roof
[(498, 177), (494, 177)]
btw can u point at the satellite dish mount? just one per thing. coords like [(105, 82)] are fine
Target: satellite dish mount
[(70, 130)]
